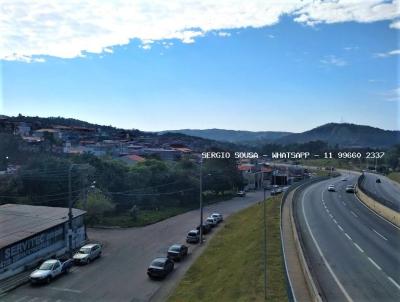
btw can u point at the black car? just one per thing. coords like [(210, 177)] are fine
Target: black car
[(177, 252), (160, 268), (206, 229), (378, 180)]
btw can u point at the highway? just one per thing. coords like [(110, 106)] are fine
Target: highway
[(386, 189), (353, 253), (120, 274)]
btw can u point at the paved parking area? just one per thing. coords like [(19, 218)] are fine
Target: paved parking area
[(120, 274)]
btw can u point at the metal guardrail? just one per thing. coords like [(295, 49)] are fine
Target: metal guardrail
[(362, 185)]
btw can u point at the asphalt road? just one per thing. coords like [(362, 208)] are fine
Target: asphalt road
[(387, 189), (120, 274), (354, 254)]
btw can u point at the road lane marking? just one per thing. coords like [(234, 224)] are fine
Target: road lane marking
[(348, 237), (376, 213), (354, 214), (330, 215), (21, 299), (394, 282), (69, 290), (374, 263), (34, 299), (340, 227), (340, 285), (358, 247), (380, 235), (334, 220)]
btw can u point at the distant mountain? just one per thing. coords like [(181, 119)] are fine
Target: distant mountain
[(233, 136), (345, 135)]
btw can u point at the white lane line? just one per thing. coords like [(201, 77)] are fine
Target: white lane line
[(376, 213), (21, 299), (380, 235), (34, 299), (374, 263), (340, 285), (334, 220), (330, 215), (358, 247), (69, 290), (394, 282), (340, 227), (348, 236), (354, 214)]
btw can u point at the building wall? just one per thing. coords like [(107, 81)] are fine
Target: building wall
[(26, 254)]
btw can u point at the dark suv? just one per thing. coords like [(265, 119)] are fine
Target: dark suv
[(160, 268), (177, 252), (206, 228)]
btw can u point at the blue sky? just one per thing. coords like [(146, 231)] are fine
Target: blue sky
[(285, 76)]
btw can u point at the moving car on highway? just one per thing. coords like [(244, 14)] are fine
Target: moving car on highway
[(350, 189), (87, 253), (49, 270), (378, 180), (217, 216), (193, 236), (331, 188), (160, 268), (177, 252)]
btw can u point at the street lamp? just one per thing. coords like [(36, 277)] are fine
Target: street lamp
[(265, 239), (201, 200)]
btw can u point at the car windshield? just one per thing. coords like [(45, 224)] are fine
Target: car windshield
[(46, 266), (157, 263), (84, 250), (174, 248), (192, 233)]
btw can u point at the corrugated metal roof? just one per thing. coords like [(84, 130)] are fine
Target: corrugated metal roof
[(19, 221)]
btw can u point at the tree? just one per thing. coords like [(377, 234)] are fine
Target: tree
[(96, 205)]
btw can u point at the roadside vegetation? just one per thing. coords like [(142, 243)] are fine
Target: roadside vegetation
[(231, 267), (395, 176), (112, 192)]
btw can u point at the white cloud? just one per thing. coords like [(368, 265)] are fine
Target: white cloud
[(388, 53), (224, 34), (395, 24), (271, 36), (350, 48), (69, 29), (333, 60), (392, 95)]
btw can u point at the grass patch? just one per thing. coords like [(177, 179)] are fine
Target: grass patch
[(394, 176), (231, 268)]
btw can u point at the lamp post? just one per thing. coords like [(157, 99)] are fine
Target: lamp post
[(201, 200), (265, 239)]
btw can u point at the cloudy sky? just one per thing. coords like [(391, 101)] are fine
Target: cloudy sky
[(233, 64)]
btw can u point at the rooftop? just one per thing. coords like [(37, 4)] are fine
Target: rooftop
[(19, 221)]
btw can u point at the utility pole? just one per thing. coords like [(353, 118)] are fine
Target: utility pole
[(201, 200), (70, 210), (265, 246)]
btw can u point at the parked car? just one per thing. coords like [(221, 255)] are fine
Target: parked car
[(177, 252), (206, 228), (350, 189), (193, 236), (49, 270), (160, 268), (378, 180), (276, 191), (344, 179), (241, 193), (331, 188), (217, 216), (87, 253), (211, 221)]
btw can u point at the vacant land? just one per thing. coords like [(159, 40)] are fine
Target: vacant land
[(231, 268)]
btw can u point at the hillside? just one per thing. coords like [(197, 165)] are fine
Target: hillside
[(345, 135), (232, 136)]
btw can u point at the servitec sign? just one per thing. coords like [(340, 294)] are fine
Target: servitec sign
[(29, 246)]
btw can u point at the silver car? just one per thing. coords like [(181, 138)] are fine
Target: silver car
[(87, 253)]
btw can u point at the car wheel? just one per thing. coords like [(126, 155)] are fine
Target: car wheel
[(48, 280), (88, 261)]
